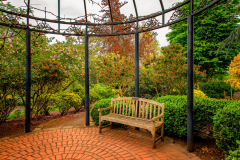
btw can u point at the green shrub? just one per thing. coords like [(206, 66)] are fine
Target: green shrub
[(226, 128), (146, 90), (17, 113), (103, 90), (7, 105), (233, 155), (93, 96), (65, 100), (104, 103), (215, 89), (175, 114)]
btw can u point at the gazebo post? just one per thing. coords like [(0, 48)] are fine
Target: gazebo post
[(190, 63), (28, 75), (86, 80), (137, 66)]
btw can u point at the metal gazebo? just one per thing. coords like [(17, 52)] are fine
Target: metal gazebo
[(109, 25)]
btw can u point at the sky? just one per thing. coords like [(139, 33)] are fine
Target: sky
[(75, 8)]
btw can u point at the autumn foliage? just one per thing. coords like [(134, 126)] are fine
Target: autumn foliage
[(124, 45), (116, 71), (234, 71)]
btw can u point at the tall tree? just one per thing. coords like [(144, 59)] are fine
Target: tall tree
[(148, 44), (124, 45), (211, 28), (232, 40)]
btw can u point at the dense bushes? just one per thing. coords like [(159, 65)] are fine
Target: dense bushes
[(65, 100), (103, 90), (223, 114), (176, 112), (104, 103), (227, 126), (93, 96), (215, 89), (7, 105), (234, 155), (198, 93)]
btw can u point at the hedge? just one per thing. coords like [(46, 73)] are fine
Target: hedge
[(103, 90), (215, 89), (104, 103), (226, 128), (175, 119), (80, 90)]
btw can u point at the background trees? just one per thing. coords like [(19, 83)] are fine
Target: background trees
[(211, 28)]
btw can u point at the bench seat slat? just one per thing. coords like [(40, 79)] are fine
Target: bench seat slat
[(131, 121)]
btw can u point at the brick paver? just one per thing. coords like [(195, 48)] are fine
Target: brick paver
[(86, 143)]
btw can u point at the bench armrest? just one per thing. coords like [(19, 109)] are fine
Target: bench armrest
[(156, 118), (103, 109)]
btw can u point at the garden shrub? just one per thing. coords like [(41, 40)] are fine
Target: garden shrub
[(93, 96), (226, 128), (17, 113), (65, 100), (146, 90), (7, 105), (215, 89), (103, 90), (175, 115), (234, 155), (198, 93), (103, 103)]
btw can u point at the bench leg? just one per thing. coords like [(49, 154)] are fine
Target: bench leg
[(162, 133), (100, 127), (111, 125), (153, 138)]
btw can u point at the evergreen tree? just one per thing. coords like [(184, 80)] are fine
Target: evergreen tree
[(210, 29), (230, 42)]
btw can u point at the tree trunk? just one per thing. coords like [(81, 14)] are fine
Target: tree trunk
[(161, 88), (207, 71)]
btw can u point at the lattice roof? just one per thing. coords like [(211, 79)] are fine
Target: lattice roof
[(101, 17)]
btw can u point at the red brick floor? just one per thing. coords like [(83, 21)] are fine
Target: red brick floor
[(87, 143)]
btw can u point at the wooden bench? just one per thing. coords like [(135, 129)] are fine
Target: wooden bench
[(125, 111)]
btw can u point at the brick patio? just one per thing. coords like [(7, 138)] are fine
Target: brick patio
[(86, 143)]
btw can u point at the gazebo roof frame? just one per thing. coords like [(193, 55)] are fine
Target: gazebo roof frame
[(71, 31)]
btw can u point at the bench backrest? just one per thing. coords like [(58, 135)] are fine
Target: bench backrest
[(129, 106)]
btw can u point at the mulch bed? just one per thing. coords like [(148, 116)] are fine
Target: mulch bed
[(206, 149), (15, 127)]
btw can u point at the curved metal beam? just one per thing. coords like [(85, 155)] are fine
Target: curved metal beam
[(59, 9), (114, 23), (110, 8), (117, 34), (163, 15), (85, 9), (161, 3), (135, 7)]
